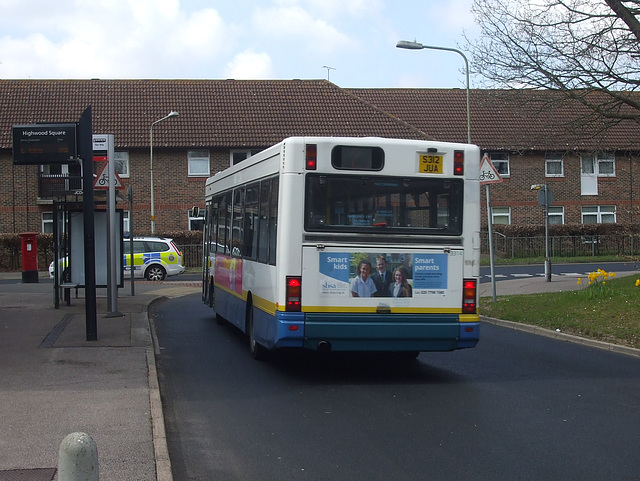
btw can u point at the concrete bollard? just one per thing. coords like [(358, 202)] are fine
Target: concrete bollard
[(78, 458)]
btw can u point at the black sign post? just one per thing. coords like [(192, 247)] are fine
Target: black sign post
[(85, 152), (42, 144)]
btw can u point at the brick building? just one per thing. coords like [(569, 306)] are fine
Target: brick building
[(531, 136)]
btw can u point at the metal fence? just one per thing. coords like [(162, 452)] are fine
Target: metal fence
[(191, 255), (518, 247), (562, 246)]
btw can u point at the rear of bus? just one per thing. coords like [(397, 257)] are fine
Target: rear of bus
[(349, 203)]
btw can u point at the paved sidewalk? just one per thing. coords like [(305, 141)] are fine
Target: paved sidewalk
[(54, 382)]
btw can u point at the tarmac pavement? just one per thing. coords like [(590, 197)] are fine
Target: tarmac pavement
[(54, 382)]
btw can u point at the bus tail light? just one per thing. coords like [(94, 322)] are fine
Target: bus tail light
[(312, 157), (458, 162), (469, 295), (293, 293)]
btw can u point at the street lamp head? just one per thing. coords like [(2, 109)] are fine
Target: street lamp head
[(409, 45), (173, 113)]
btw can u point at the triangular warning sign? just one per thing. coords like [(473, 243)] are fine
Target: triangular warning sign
[(102, 181), (488, 172)]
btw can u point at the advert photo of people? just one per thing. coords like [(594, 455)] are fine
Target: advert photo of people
[(377, 278)]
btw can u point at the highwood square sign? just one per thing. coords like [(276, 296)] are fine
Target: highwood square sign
[(42, 144)]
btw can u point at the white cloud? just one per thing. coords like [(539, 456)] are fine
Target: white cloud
[(451, 16), (250, 65), (112, 39), (296, 22)]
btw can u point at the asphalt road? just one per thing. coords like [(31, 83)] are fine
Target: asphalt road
[(517, 407), (517, 271)]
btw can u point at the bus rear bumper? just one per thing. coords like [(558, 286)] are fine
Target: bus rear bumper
[(469, 335), (386, 332)]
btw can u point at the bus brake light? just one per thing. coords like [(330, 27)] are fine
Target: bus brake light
[(469, 291), (312, 157), (293, 293), (458, 162)]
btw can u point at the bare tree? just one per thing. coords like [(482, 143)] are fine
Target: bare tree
[(588, 50)]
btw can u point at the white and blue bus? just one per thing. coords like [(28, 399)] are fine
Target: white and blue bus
[(347, 244)]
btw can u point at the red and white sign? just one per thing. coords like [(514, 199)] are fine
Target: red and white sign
[(488, 172), (102, 181)]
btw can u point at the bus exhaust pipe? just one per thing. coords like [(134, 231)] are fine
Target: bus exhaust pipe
[(324, 346)]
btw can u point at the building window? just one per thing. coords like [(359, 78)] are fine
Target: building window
[(126, 222), (602, 165), (554, 165), (599, 214), (606, 165), (501, 215), (556, 215), (121, 163), (198, 163), (196, 219), (500, 161), (47, 222), (240, 155)]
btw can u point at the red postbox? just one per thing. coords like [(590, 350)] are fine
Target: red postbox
[(29, 244)]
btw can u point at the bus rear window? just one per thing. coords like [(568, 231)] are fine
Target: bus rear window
[(347, 157), (349, 203)]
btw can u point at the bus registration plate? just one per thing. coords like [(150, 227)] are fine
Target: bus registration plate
[(430, 164)]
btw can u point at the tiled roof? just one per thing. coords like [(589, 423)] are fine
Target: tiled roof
[(213, 113), (259, 113), (504, 119)]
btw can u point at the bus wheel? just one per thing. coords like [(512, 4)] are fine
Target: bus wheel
[(258, 351), (210, 294)]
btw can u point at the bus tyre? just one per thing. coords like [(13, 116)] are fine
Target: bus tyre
[(155, 272), (258, 351), (211, 294)]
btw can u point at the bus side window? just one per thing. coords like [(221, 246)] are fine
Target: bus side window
[(263, 222), (224, 219), (250, 244), (273, 219), (238, 222)]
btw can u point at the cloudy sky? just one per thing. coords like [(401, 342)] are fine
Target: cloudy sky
[(241, 39)]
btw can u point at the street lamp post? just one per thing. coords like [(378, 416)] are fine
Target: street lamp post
[(173, 113), (545, 201), (419, 46)]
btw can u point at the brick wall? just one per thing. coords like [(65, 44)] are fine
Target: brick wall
[(175, 192)]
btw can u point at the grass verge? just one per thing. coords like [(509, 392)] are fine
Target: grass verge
[(607, 309)]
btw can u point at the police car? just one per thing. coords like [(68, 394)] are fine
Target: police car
[(154, 258)]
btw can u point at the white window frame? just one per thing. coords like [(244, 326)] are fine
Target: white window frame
[(598, 163), (121, 163), (500, 161), (553, 158), (197, 160), (556, 212), (126, 215), (501, 212), (47, 220), (198, 218), (603, 214), (603, 159), (238, 155)]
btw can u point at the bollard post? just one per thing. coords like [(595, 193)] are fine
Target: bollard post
[(78, 458)]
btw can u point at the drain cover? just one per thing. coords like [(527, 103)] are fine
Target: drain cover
[(40, 474)]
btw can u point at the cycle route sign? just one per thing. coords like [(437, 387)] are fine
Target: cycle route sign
[(488, 172)]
